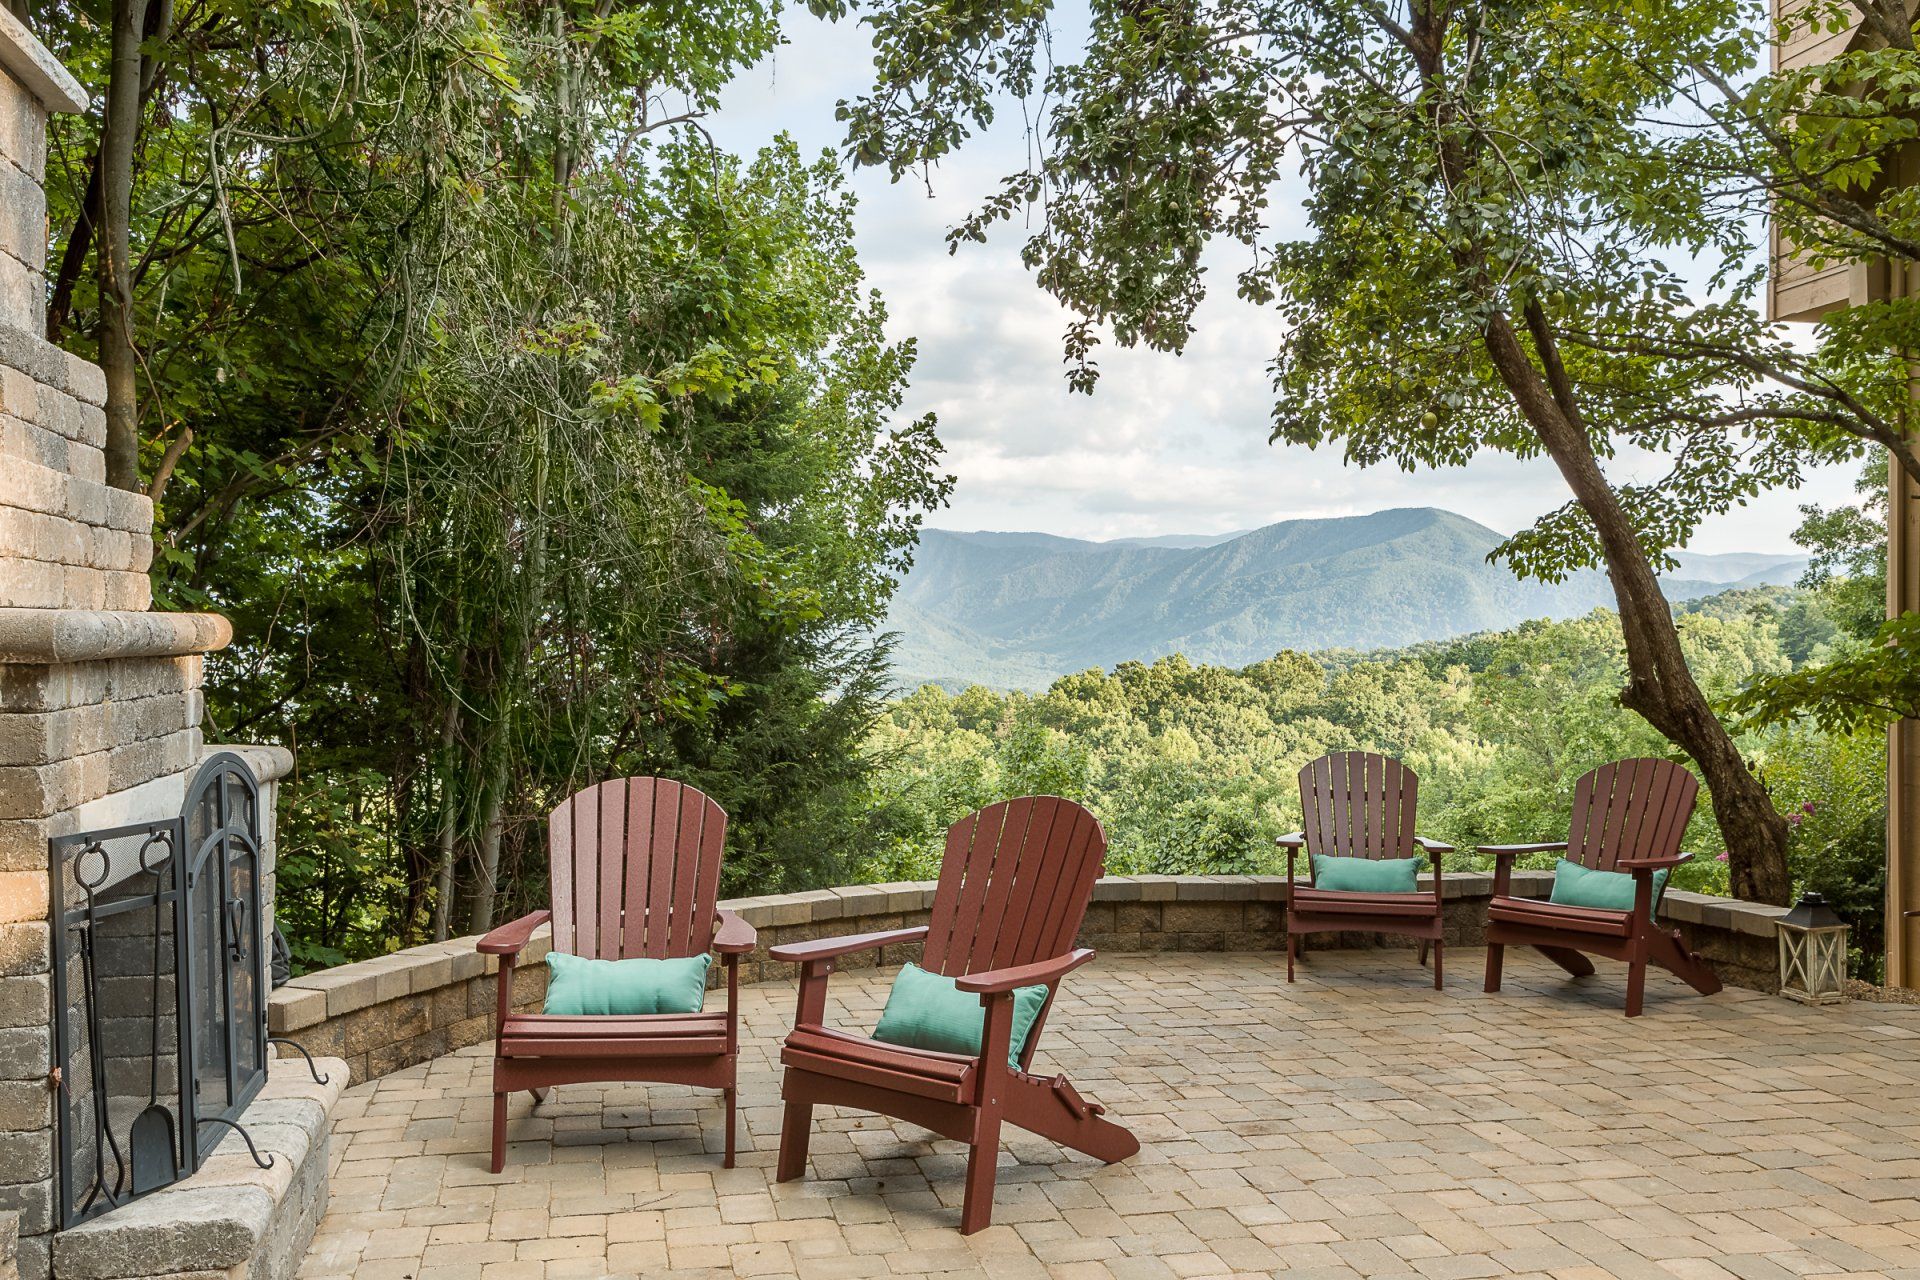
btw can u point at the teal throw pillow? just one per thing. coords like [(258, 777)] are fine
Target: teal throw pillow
[(1578, 886), (1367, 875), (576, 985), (927, 1011)]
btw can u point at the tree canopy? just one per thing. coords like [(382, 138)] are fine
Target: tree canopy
[(528, 437), (1527, 229)]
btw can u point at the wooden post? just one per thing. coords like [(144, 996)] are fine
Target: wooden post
[(1878, 281), (1797, 290), (1903, 746)]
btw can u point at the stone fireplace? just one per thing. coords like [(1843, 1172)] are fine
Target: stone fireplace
[(136, 865), (158, 992)]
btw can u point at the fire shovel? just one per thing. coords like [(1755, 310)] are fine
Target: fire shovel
[(152, 1139)]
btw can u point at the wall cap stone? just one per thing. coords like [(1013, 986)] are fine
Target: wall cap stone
[(79, 635), (36, 69), (267, 763)]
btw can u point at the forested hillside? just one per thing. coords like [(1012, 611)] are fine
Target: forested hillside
[(1192, 766), (1019, 610)]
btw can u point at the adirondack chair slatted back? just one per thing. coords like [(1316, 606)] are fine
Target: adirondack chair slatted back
[(1356, 804), (635, 865), (1014, 885), (1630, 809)]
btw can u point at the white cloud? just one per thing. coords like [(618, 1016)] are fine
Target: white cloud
[(1166, 444)]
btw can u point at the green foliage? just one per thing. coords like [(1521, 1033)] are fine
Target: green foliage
[(1855, 669), (1193, 768), (1864, 687), (1818, 149), (1833, 788), (338, 876), (527, 438), (1497, 197)]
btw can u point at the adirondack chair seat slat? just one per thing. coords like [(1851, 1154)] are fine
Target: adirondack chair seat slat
[(538, 1035), (634, 872), (1014, 886), (1370, 904), (1631, 817), (1596, 920), (920, 1072), (602, 1024)]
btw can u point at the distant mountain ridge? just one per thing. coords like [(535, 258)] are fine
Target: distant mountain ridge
[(1018, 610)]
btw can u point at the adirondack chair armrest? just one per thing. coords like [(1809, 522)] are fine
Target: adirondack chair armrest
[(734, 937), (1503, 856), (510, 938), (1432, 846), (1292, 840), (1651, 865), (996, 981), (831, 948), (1506, 852)]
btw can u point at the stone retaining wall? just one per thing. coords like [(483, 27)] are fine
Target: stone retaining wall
[(384, 1014)]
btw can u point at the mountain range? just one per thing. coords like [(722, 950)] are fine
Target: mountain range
[(1018, 610)]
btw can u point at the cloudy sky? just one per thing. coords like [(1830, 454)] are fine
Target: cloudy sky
[(1166, 444)]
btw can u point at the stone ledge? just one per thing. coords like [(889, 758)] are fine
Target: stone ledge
[(53, 636), (392, 1011), (1755, 919), (309, 1000), (231, 1214), (51, 84), (52, 366)]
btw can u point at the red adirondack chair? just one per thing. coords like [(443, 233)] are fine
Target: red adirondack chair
[(1627, 816), (1014, 887), (1355, 804), (634, 866)]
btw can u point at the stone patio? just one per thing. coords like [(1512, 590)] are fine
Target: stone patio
[(1356, 1124)]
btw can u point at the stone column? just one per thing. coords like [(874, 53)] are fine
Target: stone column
[(100, 701)]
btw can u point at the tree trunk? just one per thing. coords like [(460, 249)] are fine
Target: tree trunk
[(448, 825), (114, 263), (487, 854), (73, 257), (520, 635), (1660, 686)]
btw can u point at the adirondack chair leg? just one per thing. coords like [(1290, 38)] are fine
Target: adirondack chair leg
[(1292, 942), (1572, 961), (1439, 962), (727, 1096), (540, 1095), (1496, 955), (795, 1129), (1636, 985), (1053, 1108), (1666, 950), (499, 1131), (1425, 946), (976, 1212)]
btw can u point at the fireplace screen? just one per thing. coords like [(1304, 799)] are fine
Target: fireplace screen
[(159, 1014)]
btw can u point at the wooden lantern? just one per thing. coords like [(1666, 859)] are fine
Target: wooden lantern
[(1813, 952)]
